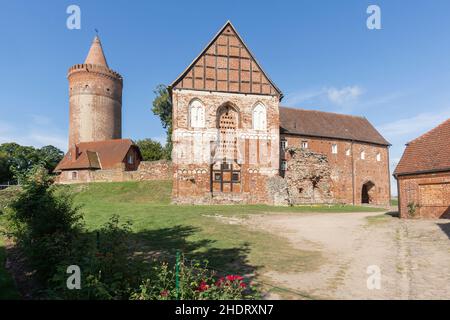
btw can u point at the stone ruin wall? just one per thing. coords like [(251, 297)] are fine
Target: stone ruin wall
[(308, 178)]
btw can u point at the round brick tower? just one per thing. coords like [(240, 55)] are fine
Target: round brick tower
[(95, 93)]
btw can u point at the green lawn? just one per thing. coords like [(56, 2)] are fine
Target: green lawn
[(196, 230), (394, 202)]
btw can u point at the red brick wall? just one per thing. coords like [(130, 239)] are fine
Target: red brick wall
[(430, 193), (192, 152), (350, 172)]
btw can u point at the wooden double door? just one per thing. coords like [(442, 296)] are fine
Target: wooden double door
[(226, 177)]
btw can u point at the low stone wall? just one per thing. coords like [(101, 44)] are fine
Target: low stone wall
[(153, 170), (147, 170)]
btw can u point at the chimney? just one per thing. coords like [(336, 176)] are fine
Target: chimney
[(74, 152)]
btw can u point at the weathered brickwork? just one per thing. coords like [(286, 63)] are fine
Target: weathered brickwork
[(147, 170), (226, 139), (423, 175), (424, 195), (197, 149), (308, 177), (348, 172)]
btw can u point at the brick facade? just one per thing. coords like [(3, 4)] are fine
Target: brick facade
[(226, 138), (423, 175), (349, 173), (195, 149), (424, 195)]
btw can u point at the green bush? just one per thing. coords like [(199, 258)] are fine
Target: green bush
[(44, 223), (195, 282), (49, 230), (111, 272)]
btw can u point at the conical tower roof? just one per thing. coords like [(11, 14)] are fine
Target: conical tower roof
[(96, 55)]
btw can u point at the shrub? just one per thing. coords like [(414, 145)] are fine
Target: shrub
[(412, 209), (195, 282), (44, 223), (48, 228), (109, 271)]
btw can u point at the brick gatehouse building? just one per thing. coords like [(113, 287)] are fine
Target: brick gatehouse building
[(423, 175), (234, 143)]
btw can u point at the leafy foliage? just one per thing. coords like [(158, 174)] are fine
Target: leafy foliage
[(162, 107), (196, 282), (49, 229), (44, 223), (16, 160), (151, 150)]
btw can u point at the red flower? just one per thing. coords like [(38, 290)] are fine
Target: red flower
[(234, 278), (242, 285), (164, 293), (220, 281), (203, 286)]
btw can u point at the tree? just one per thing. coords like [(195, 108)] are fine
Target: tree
[(5, 173), (50, 156), (20, 159), (151, 150), (162, 107)]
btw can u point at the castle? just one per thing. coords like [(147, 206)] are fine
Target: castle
[(232, 141)]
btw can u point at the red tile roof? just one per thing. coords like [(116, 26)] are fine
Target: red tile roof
[(329, 125), (96, 155), (428, 153)]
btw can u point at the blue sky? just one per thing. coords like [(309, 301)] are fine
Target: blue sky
[(320, 53)]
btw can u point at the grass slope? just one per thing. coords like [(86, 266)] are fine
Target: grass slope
[(200, 232), (194, 230)]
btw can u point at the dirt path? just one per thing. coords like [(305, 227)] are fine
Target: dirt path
[(412, 256)]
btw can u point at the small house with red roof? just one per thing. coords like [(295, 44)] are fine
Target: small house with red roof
[(423, 175)]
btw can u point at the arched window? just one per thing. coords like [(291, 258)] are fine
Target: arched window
[(259, 117), (197, 114)]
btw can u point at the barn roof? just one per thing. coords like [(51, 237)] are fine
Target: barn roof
[(329, 125), (96, 155), (428, 153)]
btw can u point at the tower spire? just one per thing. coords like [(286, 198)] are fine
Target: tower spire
[(96, 55)]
